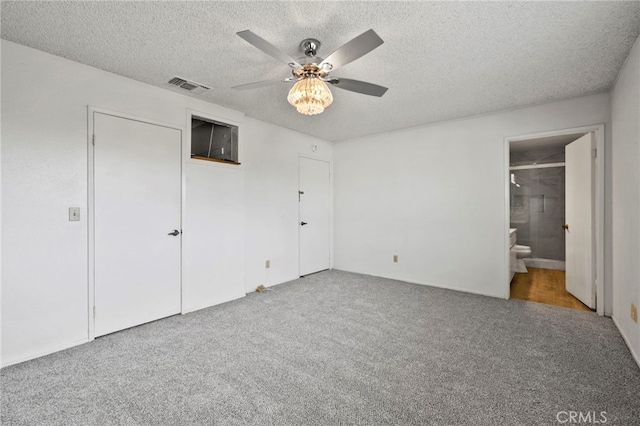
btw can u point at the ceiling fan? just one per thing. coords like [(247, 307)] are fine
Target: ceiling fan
[(310, 94)]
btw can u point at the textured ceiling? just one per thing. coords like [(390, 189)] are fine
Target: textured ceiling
[(440, 60)]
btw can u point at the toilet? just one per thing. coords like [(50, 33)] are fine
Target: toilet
[(521, 253)]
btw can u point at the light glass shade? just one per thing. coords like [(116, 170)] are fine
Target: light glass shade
[(310, 96)]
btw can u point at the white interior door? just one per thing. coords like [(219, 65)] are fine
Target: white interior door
[(579, 220), (137, 203), (315, 207)]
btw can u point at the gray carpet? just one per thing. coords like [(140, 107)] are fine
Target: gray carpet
[(337, 348)]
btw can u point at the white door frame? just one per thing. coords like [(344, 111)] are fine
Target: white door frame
[(326, 160), (599, 207), (91, 204)]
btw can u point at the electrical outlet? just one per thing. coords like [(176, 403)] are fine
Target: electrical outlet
[(267, 264), (395, 258), (634, 313)]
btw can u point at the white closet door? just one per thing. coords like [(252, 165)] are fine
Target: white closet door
[(579, 220), (137, 190), (315, 207)]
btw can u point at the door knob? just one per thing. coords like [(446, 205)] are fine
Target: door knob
[(303, 223), (174, 233), (565, 227)]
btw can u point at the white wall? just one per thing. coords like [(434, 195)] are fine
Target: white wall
[(44, 171), (625, 117), (213, 237), (435, 195)]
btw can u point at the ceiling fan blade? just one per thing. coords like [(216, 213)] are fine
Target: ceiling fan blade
[(260, 84), (358, 86), (268, 48), (352, 50)]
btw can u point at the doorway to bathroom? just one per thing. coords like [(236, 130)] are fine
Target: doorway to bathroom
[(553, 261)]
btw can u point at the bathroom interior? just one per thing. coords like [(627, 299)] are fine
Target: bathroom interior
[(537, 216)]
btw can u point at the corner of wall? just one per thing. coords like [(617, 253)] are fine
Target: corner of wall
[(625, 199)]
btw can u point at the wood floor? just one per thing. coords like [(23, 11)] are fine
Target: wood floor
[(544, 286)]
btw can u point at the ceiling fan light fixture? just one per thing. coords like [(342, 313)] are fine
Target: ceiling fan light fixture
[(310, 96)]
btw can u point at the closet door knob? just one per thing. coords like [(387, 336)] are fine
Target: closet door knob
[(174, 233), (303, 223), (565, 227)]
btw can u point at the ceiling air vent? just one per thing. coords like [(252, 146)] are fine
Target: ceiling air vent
[(191, 86)]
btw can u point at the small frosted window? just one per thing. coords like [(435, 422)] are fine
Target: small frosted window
[(214, 141)]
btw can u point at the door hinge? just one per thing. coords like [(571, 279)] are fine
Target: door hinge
[(299, 194), (93, 139), (594, 152)]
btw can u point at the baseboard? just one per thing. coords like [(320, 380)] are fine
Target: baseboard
[(445, 287), (463, 290), (217, 302), (253, 290), (534, 262), (626, 340), (49, 351)]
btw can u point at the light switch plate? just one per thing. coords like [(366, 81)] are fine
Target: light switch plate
[(74, 214)]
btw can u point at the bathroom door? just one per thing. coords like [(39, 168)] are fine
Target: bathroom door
[(314, 208), (579, 215)]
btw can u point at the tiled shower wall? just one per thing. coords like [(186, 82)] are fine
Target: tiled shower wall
[(537, 205)]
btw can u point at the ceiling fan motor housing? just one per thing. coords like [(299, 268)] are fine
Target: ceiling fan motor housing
[(309, 46)]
